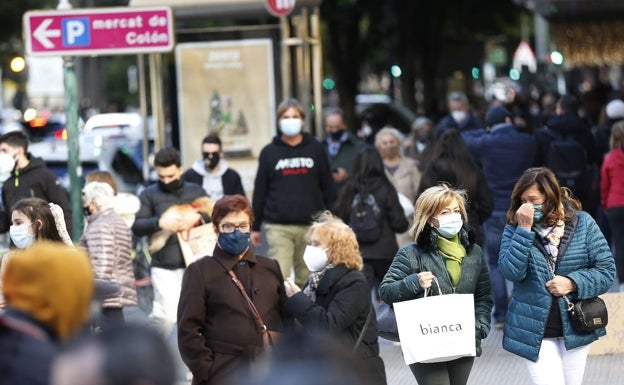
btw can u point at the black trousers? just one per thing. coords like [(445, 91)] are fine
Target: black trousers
[(453, 372)]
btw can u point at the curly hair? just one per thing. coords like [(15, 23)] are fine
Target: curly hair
[(340, 239)]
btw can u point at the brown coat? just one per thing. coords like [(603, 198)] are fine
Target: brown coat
[(108, 241), (216, 332)]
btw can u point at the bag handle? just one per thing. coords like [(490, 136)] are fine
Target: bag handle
[(421, 267), (201, 222), (435, 279), (361, 336)]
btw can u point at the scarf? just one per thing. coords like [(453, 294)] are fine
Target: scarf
[(550, 237), (314, 280), (453, 252)]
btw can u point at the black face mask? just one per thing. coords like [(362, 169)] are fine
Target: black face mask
[(172, 186), (211, 159), (336, 135)]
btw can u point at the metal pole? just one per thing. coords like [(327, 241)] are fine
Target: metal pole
[(317, 70), (143, 107), (74, 167), (285, 58)]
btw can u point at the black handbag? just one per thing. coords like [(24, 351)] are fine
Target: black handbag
[(386, 319), (588, 314), (386, 322)]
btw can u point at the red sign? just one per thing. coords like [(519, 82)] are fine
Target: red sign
[(98, 31), (279, 7)]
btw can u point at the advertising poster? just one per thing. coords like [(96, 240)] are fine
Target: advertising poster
[(227, 88)]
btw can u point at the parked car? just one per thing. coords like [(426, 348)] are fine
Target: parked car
[(380, 110), (111, 142)]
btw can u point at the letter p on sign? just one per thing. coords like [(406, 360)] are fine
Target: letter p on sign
[(279, 7), (76, 32)]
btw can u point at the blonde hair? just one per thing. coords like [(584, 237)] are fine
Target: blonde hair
[(339, 238), (617, 135), (432, 201)]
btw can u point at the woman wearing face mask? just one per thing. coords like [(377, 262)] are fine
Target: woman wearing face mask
[(403, 172), (335, 300), (108, 241), (33, 219), (448, 252), (551, 249), (293, 182), (217, 333)]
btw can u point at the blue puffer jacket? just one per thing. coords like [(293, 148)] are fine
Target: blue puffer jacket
[(584, 257)]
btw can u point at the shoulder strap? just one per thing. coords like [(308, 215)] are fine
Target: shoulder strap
[(241, 288), (361, 336)]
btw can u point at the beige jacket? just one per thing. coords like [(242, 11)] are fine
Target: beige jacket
[(406, 180)]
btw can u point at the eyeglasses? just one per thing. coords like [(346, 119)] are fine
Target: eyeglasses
[(228, 228)]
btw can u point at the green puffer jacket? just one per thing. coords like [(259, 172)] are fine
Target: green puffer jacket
[(401, 281)]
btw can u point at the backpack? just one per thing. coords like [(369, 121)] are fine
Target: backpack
[(364, 219), (567, 158)]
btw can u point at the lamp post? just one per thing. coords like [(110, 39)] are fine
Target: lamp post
[(74, 168)]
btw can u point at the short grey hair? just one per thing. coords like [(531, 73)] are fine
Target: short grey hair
[(334, 111), (100, 193), (388, 130), (420, 122), (457, 97)]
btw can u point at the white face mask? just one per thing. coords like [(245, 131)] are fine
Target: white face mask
[(7, 164), (290, 126), (450, 225), (21, 236), (315, 258), (459, 115)]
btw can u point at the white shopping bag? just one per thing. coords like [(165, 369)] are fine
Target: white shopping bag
[(436, 328)]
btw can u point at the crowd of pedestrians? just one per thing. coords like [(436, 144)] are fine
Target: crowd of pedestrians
[(484, 201)]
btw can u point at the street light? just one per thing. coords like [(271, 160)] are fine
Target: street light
[(556, 57), (17, 64)]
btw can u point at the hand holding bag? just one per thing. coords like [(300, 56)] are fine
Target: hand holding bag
[(587, 315), (436, 328), (386, 319)]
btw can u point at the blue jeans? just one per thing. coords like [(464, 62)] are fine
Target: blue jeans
[(493, 232)]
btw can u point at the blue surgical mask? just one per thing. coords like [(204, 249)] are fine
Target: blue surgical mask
[(21, 236), (290, 126), (538, 214), (234, 243), (449, 225)]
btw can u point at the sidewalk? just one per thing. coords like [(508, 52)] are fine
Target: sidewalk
[(497, 366)]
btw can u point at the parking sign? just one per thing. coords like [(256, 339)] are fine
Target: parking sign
[(98, 31)]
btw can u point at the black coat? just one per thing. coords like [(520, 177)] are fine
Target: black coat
[(230, 179), (26, 350), (35, 180), (154, 202), (393, 220), (341, 308)]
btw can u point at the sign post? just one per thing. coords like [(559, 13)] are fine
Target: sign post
[(98, 31), (81, 32), (279, 8)]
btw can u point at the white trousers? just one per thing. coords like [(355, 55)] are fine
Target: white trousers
[(558, 366), (167, 284)]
